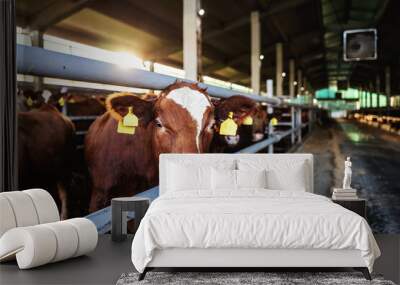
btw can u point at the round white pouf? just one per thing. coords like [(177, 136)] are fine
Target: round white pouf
[(32, 246), (45, 205), (40, 244), (7, 219)]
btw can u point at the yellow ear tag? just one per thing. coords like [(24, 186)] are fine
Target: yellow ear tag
[(248, 121), (125, 129), (228, 127), (130, 119), (274, 121), (72, 101), (61, 101), (29, 101)]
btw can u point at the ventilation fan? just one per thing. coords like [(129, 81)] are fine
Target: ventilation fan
[(360, 45)]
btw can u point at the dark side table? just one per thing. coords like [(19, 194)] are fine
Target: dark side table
[(119, 210), (358, 206)]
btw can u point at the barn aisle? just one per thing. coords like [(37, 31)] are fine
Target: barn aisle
[(376, 160)]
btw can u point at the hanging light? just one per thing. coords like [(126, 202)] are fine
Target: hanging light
[(261, 56), (294, 83), (201, 12), (283, 74)]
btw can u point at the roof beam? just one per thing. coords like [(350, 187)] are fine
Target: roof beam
[(213, 67), (270, 48), (239, 77), (54, 13), (275, 9), (150, 23)]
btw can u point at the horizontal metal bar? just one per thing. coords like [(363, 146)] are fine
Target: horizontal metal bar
[(81, 133), (284, 124), (41, 62), (276, 137), (82, 118)]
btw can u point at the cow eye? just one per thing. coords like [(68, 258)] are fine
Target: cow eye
[(158, 123), (211, 125)]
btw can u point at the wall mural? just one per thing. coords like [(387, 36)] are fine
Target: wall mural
[(86, 148)]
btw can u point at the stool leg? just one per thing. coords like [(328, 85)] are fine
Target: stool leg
[(116, 222)]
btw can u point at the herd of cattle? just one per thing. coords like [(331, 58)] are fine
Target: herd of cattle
[(122, 160)]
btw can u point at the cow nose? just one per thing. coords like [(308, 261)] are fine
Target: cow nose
[(257, 136), (232, 140)]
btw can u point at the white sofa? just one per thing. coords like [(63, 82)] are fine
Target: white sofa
[(31, 231)]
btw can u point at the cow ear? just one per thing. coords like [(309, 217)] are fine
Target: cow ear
[(215, 101), (241, 107), (101, 99), (118, 104)]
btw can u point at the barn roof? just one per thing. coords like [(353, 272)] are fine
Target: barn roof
[(310, 30)]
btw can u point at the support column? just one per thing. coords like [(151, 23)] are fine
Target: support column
[(291, 93), (279, 69), (270, 110), (291, 78), (270, 93), (387, 87), (299, 81), (255, 51), (378, 89), (37, 41), (8, 117), (191, 39), (298, 124)]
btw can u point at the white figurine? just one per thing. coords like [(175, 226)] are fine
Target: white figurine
[(347, 174)]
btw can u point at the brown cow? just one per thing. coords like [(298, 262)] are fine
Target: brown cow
[(241, 107), (85, 105), (45, 152), (179, 120)]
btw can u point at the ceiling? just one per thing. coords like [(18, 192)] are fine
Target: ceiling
[(310, 31)]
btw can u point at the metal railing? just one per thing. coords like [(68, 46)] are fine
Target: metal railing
[(41, 62)]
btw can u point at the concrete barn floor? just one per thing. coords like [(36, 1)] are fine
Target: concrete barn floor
[(376, 168), (109, 260)]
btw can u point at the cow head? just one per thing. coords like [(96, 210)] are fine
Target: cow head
[(180, 118), (57, 100), (183, 119), (29, 99), (241, 107)]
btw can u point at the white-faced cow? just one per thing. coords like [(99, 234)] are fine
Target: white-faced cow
[(179, 120)]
